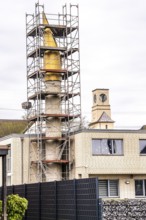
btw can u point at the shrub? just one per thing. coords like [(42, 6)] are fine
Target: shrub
[(16, 207)]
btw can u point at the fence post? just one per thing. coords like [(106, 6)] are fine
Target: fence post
[(56, 199), (40, 201), (25, 193), (13, 189), (100, 209)]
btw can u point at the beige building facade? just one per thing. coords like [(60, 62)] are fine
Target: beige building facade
[(17, 159), (116, 157)]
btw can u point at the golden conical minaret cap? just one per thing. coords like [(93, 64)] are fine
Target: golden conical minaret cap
[(52, 60)]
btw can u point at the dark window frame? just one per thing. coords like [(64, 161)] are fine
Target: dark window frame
[(143, 181), (140, 150), (110, 147), (108, 182), (9, 160)]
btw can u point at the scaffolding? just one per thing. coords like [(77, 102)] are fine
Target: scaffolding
[(65, 30)]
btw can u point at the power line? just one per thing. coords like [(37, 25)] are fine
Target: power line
[(124, 112), (84, 112)]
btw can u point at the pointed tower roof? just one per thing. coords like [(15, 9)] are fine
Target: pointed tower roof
[(105, 118)]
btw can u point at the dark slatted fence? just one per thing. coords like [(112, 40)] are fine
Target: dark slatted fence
[(64, 200)]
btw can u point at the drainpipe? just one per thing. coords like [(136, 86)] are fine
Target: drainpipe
[(22, 139)]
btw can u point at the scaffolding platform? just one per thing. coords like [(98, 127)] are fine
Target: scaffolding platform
[(48, 139), (64, 73), (42, 49), (42, 95), (63, 117), (51, 161), (58, 30)]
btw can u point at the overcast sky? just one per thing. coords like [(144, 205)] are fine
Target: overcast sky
[(112, 51)]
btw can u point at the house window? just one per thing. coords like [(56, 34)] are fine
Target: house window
[(107, 147), (142, 144), (8, 180), (108, 188), (140, 187), (9, 161)]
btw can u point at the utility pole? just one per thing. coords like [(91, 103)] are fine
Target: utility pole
[(3, 153)]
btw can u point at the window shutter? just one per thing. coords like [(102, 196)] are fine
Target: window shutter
[(113, 187), (103, 188)]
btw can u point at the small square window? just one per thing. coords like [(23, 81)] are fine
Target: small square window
[(108, 188), (9, 180), (103, 188), (140, 188), (9, 161), (142, 144)]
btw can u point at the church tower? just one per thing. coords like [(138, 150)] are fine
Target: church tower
[(101, 112)]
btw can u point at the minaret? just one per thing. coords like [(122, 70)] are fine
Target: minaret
[(53, 90), (101, 112), (52, 61)]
